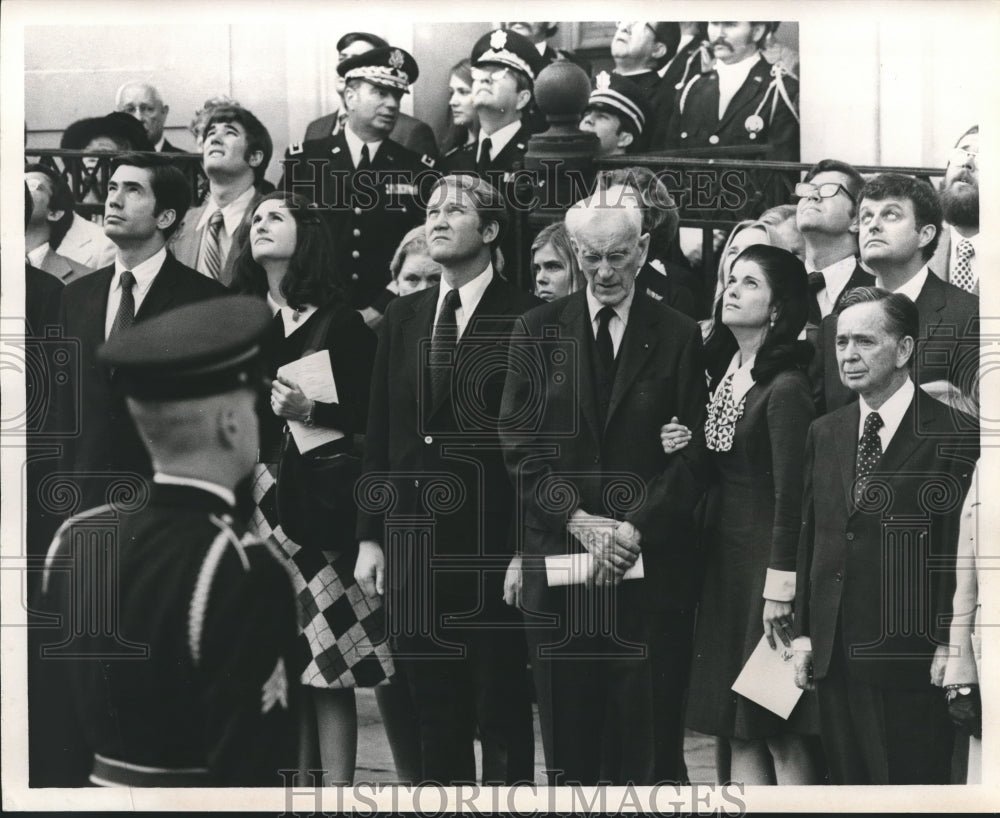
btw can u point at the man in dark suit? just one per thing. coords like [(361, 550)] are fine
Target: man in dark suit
[(899, 223), (368, 185), (236, 151), (738, 103), (827, 218), (884, 483), (143, 101), (147, 198), (432, 445), (409, 131), (610, 652)]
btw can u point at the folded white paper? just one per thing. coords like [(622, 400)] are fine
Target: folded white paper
[(768, 678), (314, 376), (575, 569)]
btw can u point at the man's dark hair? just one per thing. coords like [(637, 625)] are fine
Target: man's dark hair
[(901, 315), (855, 181), (61, 199), (258, 139), (170, 189), (670, 35), (925, 201)]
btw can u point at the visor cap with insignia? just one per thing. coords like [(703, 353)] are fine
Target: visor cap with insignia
[(508, 48), (201, 349), (622, 97), (388, 67)]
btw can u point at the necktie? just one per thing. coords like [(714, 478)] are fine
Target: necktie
[(605, 348), (126, 307), (816, 284), (443, 344), (483, 163), (366, 162), (869, 452), (211, 257), (962, 274)]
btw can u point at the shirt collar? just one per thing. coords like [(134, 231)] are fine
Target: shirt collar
[(891, 411), (159, 145), (219, 491), (470, 293), (354, 143), (621, 309), (37, 256), (144, 272), (290, 319), (232, 213), (836, 276), (737, 71), (742, 379), (499, 138), (541, 47), (911, 289)]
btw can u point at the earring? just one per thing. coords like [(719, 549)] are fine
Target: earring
[(772, 322)]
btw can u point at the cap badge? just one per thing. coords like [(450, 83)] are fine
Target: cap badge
[(499, 40), (396, 59), (603, 81)]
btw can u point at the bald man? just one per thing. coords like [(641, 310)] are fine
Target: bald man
[(609, 643), (143, 101)]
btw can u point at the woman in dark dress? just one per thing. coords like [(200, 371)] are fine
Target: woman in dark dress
[(287, 259), (756, 426)]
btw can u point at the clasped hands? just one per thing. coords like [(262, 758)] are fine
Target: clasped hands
[(614, 546)]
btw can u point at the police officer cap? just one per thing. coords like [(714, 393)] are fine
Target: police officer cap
[(622, 97), (205, 348), (508, 48), (389, 67), (353, 36)]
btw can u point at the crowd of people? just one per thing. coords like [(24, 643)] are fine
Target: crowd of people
[(599, 496)]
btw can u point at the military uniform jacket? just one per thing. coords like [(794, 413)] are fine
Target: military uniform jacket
[(368, 213), (759, 114), (194, 674)]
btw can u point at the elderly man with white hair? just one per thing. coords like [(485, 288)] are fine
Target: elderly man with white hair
[(605, 522), (143, 101)]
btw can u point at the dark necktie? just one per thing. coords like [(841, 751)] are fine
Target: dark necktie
[(483, 162), (443, 344), (816, 284), (366, 162), (126, 307), (869, 452), (605, 348)]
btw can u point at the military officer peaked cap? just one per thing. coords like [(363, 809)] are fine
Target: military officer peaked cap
[(205, 348), (621, 97), (504, 47), (388, 67)]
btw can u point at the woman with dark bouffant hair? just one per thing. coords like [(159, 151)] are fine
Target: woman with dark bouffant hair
[(755, 430), (285, 256)]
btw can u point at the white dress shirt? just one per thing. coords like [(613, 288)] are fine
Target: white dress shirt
[(835, 278), (618, 322), (145, 273), (37, 256), (470, 293), (731, 77), (911, 289), (355, 142), (891, 412), (499, 138)]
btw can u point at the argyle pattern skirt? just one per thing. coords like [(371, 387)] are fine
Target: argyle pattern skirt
[(341, 630)]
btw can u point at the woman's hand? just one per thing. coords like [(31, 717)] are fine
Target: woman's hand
[(287, 400), (674, 436), (778, 620), (512, 582)]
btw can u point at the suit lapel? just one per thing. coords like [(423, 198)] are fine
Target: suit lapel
[(907, 438), (746, 92), (161, 291), (930, 303), (846, 438), (416, 325), (636, 347), (574, 323), (94, 307)]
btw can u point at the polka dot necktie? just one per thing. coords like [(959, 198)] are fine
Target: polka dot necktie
[(869, 451), (962, 275)]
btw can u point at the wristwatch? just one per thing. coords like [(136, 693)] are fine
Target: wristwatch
[(952, 692), (309, 416)]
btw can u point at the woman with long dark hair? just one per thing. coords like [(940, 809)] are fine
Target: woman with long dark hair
[(758, 415), (463, 121), (286, 256)]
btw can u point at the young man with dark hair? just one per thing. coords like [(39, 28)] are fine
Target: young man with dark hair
[(236, 152), (50, 220), (147, 198)]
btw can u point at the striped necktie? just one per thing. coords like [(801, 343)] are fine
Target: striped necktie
[(211, 256)]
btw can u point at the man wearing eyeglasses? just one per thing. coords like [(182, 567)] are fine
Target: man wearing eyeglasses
[(956, 257), (609, 641), (827, 218)]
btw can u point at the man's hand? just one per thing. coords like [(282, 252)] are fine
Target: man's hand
[(778, 620), (804, 670), (369, 570), (626, 547), (594, 533), (512, 582)]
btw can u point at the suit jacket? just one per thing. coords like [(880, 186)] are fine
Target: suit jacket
[(63, 268), (185, 244), (41, 301), (695, 122), (553, 434), (368, 216), (410, 132), (108, 440), (947, 350), (429, 451), (882, 573), (87, 244)]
